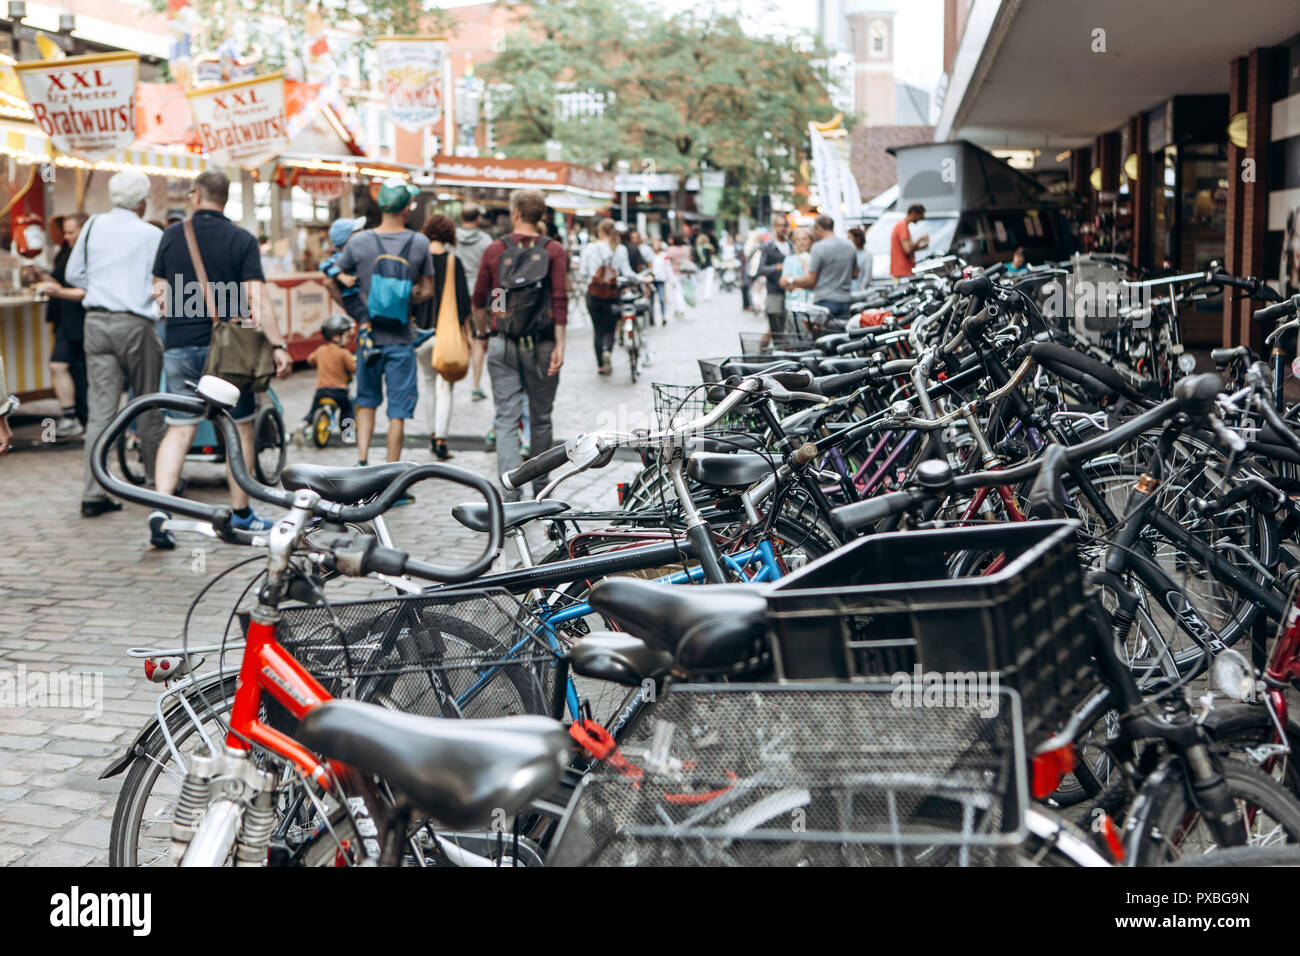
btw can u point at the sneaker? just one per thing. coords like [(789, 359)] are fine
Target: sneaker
[(250, 523), (159, 536), (606, 368), (477, 395), (68, 428), (406, 499), (490, 441), (363, 464), (525, 450), (441, 452), (92, 509)]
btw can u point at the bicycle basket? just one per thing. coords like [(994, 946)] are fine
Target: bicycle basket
[(677, 404), (472, 653), (887, 605), (825, 775), (759, 344)]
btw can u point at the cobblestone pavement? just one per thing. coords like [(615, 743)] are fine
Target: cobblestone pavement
[(76, 593)]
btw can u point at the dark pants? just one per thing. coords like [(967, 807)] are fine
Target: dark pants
[(340, 396), (745, 302), (519, 375), (604, 320), (72, 353)]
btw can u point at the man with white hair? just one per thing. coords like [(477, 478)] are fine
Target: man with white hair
[(112, 260)]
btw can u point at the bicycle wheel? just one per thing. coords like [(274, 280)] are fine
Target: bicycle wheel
[(1166, 827), (1244, 537), (322, 424), (270, 445), (129, 459)]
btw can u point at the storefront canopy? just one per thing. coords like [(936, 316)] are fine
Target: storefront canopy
[(1055, 73), (27, 144)]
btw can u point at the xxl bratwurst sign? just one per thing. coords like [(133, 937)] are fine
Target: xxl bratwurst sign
[(241, 124), (84, 104)]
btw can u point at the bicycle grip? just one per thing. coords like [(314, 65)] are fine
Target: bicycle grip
[(535, 467), (860, 513), (978, 286), (1280, 310)]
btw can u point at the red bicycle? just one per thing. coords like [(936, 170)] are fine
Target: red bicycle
[(367, 772)]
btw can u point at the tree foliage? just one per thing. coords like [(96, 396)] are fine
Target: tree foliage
[(682, 93)]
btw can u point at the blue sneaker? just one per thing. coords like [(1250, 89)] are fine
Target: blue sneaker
[(251, 523)]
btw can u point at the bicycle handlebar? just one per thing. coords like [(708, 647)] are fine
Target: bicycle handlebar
[(1190, 398), (219, 517), (1282, 310)]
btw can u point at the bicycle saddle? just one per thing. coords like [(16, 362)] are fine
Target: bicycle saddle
[(346, 486), (618, 658), (456, 771), (738, 470), (715, 629), (722, 444), (473, 514)]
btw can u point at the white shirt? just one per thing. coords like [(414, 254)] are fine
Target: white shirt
[(116, 270), (598, 254)]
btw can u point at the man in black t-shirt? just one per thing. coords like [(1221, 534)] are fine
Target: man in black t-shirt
[(234, 270)]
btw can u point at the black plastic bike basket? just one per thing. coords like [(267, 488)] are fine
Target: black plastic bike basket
[(472, 653), (805, 775), (888, 607)]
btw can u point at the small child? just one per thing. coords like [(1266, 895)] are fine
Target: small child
[(349, 296), (334, 366)]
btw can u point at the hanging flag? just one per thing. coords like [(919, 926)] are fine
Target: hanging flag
[(241, 124), (410, 70), (84, 104)]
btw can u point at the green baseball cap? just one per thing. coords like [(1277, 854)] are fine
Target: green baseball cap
[(396, 194)]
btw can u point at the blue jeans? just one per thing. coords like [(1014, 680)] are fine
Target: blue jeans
[(838, 310), (186, 364)]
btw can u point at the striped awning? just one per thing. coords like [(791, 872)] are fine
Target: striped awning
[(27, 144)]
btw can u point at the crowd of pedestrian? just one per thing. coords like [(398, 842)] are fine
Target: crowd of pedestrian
[(132, 306)]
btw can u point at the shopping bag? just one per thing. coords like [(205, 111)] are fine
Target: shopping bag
[(450, 350)]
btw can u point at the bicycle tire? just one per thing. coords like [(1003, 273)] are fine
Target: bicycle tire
[(151, 760), (1164, 808)]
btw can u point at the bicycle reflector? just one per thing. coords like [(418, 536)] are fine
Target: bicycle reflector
[(1049, 767), (622, 493)]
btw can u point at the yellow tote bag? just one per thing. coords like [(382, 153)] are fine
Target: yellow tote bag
[(450, 350)]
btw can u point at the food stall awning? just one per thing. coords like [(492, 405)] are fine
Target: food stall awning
[(27, 144), (346, 164), (579, 205), (597, 186)]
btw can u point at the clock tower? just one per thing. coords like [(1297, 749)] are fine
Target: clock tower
[(871, 24)]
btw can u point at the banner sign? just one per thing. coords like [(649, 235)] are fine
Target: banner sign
[(84, 104), (241, 124), (323, 186), (410, 70)]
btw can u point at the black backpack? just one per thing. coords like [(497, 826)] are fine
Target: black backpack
[(524, 273)]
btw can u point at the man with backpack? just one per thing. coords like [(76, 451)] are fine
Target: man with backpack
[(392, 267), (521, 297)]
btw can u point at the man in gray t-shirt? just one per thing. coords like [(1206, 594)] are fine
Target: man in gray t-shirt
[(831, 269), (385, 353)]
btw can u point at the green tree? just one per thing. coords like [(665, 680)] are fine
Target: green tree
[(681, 93)]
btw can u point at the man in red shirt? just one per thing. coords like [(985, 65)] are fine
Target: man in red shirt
[(522, 366), (902, 247)]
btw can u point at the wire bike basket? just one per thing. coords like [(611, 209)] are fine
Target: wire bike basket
[(760, 344), (806, 775), (676, 404), (1004, 600), (471, 653)]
